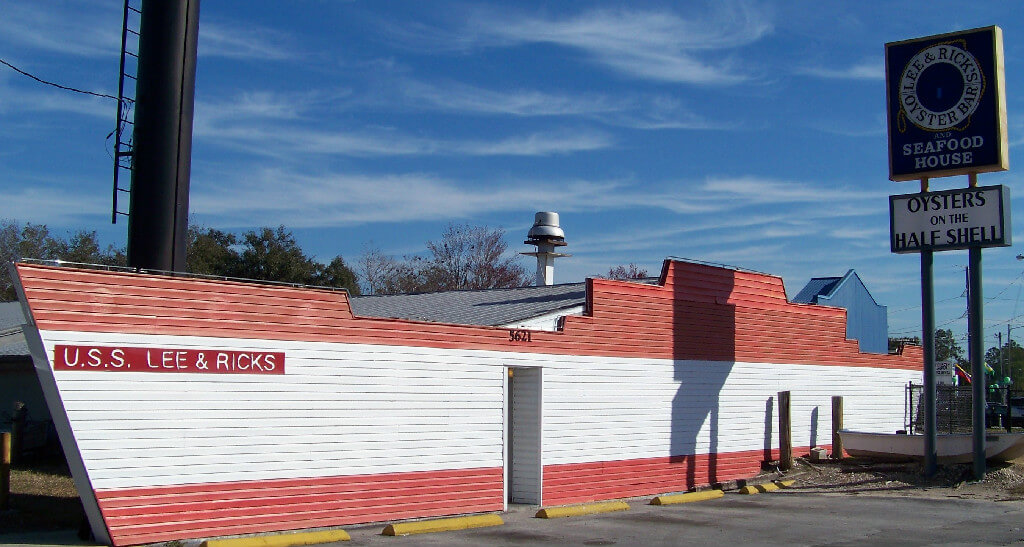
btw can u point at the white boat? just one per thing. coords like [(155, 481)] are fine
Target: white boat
[(952, 448)]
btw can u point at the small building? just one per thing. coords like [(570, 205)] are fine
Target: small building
[(193, 408), (866, 320), (18, 382)]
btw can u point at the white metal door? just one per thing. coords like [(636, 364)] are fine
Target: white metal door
[(523, 435)]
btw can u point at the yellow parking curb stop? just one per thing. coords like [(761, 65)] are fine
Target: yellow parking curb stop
[(687, 497), (585, 509), (281, 540), (441, 525)]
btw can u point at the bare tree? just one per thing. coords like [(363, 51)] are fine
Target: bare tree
[(632, 271), (465, 257), (472, 257), (384, 274)]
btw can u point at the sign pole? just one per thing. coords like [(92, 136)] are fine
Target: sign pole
[(928, 345), (946, 106), (976, 335)]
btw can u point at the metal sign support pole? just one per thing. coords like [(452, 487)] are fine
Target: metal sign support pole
[(928, 345), (976, 352)]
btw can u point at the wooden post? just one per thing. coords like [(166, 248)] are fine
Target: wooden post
[(837, 424), (5, 471), (19, 421), (785, 433)]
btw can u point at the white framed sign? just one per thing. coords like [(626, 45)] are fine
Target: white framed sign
[(951, 219)]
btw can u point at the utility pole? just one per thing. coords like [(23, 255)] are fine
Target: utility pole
[(1002, 354)]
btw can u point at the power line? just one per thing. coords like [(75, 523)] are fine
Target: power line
[(1007, 287), (917, 306), (58, 86)]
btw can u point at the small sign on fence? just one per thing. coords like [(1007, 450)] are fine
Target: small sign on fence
[(945, 373)]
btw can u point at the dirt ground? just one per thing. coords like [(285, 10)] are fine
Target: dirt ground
[(1002, 482), (43, 497)]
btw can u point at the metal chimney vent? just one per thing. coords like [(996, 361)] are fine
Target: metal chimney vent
[(546, 234), (545, 226)]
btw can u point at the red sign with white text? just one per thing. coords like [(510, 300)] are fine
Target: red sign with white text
[(128, 359)]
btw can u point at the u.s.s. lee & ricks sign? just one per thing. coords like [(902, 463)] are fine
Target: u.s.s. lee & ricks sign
[(946, 104), (951, 219)]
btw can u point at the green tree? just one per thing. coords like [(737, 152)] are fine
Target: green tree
[(211, 252), (1008, 361), (947, 348), (18, 242), (338, 274), (273, 255), (265, 254)]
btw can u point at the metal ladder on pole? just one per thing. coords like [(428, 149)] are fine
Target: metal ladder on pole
[(124, 132)]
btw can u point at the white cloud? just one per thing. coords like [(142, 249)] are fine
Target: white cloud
[(253, 107), (650, 45), (250, 42), (282, 126), (658, 45), (1016, 127), (298, 143), (650, 112), (51, 202), (328, 199), (44, 99), (871, 69), (761, 190), (463, 98), (84, 29), (544, 143), (311, 199), (93, 29)]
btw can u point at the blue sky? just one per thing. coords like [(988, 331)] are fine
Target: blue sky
[(746, 133)]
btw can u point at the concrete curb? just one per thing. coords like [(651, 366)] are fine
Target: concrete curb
[(688, 497), (281, 540), (585, 509), (441, 525), (766, 487)]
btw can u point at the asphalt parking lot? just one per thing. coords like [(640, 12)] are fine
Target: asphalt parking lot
[(789, 518), (779, 518)]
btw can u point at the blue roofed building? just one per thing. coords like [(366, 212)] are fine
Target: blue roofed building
[(866, 320)]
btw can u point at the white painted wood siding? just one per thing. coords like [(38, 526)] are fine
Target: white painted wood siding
[(346, 409), (601, 410), (340, 410)]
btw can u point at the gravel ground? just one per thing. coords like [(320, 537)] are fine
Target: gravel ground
[(1002, 482)]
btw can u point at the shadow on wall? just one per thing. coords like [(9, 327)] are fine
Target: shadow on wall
[(704, 353)]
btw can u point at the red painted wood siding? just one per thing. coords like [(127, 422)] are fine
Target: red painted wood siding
[(146, 515), (594, 481), (697, 312)]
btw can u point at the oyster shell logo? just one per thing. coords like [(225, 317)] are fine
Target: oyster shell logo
[(940, 88)]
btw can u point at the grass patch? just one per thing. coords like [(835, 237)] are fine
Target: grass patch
[(43, 497)]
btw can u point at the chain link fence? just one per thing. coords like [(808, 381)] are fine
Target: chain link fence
[(953, 408)]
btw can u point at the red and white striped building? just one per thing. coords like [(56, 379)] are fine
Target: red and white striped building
[(195, 408)]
